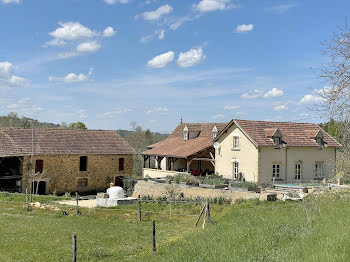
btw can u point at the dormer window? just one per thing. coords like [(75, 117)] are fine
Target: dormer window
[(214, 132), (319, 142), (319, 139), (277, 142), (277, 138), (185, 133)]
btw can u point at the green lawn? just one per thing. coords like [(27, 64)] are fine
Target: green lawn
[(317, 229)]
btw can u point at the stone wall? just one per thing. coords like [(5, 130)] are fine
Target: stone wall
[(61, 172), (155, 189)]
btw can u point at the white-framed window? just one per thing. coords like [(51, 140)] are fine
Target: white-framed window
[(276, 170), (298, 171), (277, 142), (235, 170), (319, 142), (185, 135), (319, 170), (215, 134), (236, 142)]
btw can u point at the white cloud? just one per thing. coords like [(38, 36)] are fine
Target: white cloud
[(109, 32), (17, 81), (280, 9), (112, 2), (114, 114), (88, 47), (252, 95), (175, 25), (8, 77), (72, 78), (24, 108), (162, 60), (156, 14), (218, 116), (146, 38), (161, 110), (213, 5), (72, 31), (280, 108), (161, 34), (316, 97), (82, 113), (310, 99), (244, 28), (76, 32), (6, 69), (67, 55), (19, 103), (190, 58), (274, 92), (230, 107), (10, 1), (55, 42)]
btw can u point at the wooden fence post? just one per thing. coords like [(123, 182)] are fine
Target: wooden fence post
[(199, 217), (74, 246), (208, 207), (205, 214), (77, 199), (154, 235), (139, 210), (27, 200)]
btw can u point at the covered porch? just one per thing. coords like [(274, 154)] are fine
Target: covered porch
[(199, 164)]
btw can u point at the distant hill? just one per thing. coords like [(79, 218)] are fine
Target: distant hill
[(12, 120), (125, 133)]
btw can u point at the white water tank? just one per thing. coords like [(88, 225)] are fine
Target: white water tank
[(116, 192)]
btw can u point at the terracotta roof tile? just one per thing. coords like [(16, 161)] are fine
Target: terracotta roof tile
[(18, 142), (294, 134), (176, 146)]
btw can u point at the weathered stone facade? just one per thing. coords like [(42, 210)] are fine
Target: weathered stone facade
[(61, 172)]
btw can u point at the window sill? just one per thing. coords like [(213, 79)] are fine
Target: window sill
[(235, 149), (277, 179)]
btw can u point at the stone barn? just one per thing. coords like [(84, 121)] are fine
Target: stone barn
[(60, 160)]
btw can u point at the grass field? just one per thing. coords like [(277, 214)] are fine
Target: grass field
[(316, 229), (103, 235)]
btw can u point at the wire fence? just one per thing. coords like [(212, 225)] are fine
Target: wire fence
[(87, 246), (141, 210)]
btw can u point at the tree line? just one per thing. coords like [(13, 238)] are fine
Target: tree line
[(13, 120)]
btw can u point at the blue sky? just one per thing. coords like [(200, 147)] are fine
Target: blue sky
[(110, 62)]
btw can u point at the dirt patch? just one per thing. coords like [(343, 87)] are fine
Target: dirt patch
[(82, 203)]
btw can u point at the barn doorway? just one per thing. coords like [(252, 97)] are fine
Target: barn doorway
[(119, 181), (41, 187)]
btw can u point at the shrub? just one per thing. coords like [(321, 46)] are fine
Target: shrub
[(214, 180), (129, 185)]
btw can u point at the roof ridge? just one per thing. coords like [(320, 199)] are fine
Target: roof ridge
[(281, 122), (57, 129)]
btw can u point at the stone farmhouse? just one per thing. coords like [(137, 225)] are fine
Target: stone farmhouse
[(255, 151), (62, 160)]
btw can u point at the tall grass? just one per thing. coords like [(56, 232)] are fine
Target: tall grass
[(316, 229)]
